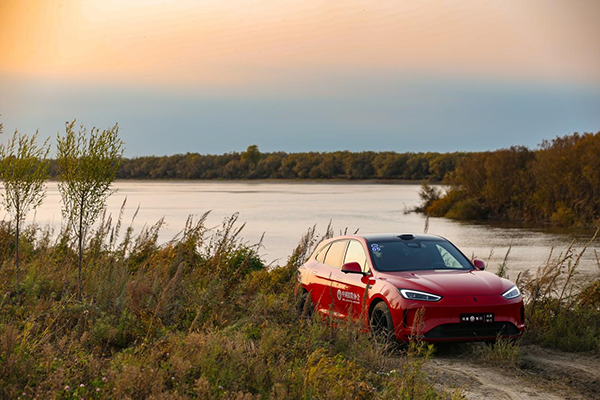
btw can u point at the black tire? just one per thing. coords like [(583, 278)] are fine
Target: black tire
[(305, 304), (381, 324)]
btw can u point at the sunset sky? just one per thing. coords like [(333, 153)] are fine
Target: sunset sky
[(214, 76)]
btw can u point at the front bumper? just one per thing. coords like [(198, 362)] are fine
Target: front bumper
[(440, 321)]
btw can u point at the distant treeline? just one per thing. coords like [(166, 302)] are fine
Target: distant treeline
[(557, 183), (252, 164)]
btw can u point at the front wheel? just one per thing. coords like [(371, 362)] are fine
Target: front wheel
[(381, 324)]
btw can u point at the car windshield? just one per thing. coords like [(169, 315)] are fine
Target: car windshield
[(409, 255)]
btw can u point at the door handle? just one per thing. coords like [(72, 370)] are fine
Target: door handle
[(312, 271)]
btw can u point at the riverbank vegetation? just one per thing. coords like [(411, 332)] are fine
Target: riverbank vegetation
[(203, 316), (559, 183), (199, 317), (562, 311)]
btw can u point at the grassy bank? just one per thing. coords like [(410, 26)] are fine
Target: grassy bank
[(562, 312), (201, 316)]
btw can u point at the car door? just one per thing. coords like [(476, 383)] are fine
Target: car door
[(315, 278), (329, 276), (351, 287)]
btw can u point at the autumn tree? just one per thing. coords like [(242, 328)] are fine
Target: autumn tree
[(23, 171), (88, 164), (559, 183)]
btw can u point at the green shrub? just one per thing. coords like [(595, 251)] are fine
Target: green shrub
[(441, 206), (468, 209), (563, 216), (570, 328)]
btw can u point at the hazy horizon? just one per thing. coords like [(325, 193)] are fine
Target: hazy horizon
[(216, 76)]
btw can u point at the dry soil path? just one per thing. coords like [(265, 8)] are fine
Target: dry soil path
[(542, 374)]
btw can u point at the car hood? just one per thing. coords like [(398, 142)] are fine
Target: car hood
[(448, 282)]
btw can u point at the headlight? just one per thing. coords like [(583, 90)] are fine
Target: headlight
[(416, 295), (511, 293)]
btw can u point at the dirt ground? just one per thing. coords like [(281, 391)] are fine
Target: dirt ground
[(542, 374)]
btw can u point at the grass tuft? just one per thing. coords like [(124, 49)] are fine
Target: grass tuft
[(502, 352)]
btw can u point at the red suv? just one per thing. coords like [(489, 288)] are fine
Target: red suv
[(388, 278)]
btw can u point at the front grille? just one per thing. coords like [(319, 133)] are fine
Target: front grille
[(488, 330)]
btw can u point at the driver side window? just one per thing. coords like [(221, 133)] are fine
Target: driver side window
[(356, 253)]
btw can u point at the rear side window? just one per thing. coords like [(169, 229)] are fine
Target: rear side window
[(335, 254), (355, 253), (321, 254)]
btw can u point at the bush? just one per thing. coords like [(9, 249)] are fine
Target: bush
[(563, 216), (466, 209), (441, 206)]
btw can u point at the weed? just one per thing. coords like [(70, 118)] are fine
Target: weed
[(560, 314), (502, 352)]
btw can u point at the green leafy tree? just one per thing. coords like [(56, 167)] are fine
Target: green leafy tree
[(252, 154), (88, 165), (23, 171)]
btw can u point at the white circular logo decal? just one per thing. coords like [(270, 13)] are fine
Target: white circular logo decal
[(339, 294)]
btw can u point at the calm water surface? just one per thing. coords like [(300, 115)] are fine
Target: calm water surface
[(284, 211)]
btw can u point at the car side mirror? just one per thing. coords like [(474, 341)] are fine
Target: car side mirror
[(480, 265), (352, 268)]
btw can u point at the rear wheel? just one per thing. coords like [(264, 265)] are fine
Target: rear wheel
[(381, 324), (305, 304)]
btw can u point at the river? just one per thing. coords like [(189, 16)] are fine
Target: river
[(283, 211)]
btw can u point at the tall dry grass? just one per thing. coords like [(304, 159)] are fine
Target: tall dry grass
[(200, 316), (562, 311)]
